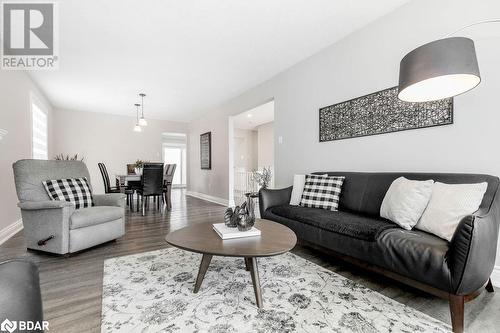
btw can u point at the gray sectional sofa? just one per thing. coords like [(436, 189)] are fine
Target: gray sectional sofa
[(455, 270)]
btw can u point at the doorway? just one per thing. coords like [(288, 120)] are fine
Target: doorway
[(251, 148), (174, 147)]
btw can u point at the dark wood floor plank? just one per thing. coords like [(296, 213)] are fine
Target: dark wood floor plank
[(72, 286)]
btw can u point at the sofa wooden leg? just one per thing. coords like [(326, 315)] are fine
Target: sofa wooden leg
[(489, 286), (457, 313)]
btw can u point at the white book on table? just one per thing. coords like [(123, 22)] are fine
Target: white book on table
[(230, 233)]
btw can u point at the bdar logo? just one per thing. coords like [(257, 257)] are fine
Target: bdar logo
[(8, 326)]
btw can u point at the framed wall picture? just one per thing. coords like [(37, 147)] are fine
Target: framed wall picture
[(379, 113), (206, 151)]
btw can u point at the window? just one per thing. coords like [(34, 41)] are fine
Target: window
[(39, 142), (174, 152), (176, 155)]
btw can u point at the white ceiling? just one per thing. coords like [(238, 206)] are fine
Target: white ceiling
[(188, 55), (257, 116)]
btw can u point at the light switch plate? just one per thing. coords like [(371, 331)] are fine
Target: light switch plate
[(3, 133)]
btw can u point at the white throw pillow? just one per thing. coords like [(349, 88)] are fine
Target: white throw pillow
[(298, 187), (448, 205), (405, 201)]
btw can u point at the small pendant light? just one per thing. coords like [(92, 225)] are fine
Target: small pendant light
[(137, 128), (142, 120)]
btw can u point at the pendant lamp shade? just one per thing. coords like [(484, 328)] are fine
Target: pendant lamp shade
[(440, 69)]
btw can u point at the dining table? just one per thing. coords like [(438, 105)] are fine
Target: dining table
[(123, 180), (132, 179)]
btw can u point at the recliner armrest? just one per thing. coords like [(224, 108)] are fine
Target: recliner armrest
[(49, 204), (270, 198), (109, 199)]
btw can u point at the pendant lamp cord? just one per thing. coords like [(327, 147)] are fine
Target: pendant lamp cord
[(142, 105), (495, 20)]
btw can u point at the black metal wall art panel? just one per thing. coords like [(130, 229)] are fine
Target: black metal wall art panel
[(206, 150), (378, 113)]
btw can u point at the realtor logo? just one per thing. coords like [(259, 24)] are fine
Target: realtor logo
[(29, 35), (8, 326), (24, 326)]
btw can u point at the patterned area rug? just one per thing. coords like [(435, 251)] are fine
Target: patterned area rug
[(152, 292)]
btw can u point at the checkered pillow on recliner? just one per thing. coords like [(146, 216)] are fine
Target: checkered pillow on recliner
[(321, 192), (74, 190)]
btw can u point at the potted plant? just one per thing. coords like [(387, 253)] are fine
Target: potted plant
[(263, 178), (138, 167), (62, 157)]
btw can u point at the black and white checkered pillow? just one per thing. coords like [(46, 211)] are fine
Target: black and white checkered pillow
[(74, 190), (321, 192)]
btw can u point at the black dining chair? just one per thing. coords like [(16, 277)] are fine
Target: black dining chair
[(109, 189), (151, 185), (105, 179), (167, 184)]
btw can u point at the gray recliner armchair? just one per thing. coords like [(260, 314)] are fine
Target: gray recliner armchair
[(56, 226)]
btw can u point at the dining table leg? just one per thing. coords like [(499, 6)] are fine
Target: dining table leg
[(169, 197), (144, 203)]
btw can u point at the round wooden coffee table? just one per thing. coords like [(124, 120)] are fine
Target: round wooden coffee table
[(275, 239)]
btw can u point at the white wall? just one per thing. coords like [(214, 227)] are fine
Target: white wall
[(265, 143), (365, 62), (16, 88), (100, 137), (245, 149), (213, 182)]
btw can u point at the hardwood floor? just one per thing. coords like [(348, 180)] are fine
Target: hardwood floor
[(72, 286)]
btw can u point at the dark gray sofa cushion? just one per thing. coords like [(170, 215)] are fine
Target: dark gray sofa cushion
[(345, 223), (392, 250), (416, 254), (363, 192)]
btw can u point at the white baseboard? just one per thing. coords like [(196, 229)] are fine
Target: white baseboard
[(9, 231), (217, 200), (495, 276)]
